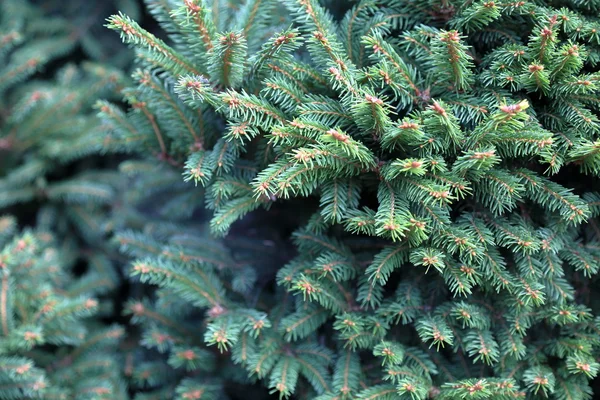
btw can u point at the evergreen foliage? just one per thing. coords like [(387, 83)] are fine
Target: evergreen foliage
[(453, 146), (435, 163), (47, 125), (50, 346), (175, 355), (58, 281), (49, 134)]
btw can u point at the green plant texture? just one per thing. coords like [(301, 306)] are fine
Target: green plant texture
[(331, 200)]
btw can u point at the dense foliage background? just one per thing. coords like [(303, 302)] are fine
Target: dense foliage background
[(374, 199)]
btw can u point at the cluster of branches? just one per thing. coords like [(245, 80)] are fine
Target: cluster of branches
[(57, 280), (454, 242), (451, 145), (50, 348)]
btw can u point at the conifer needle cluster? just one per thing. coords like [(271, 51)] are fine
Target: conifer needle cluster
[(372, 199)]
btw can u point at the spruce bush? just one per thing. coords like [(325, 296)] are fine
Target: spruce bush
[(371, 199), (58, 285), (453, 148), (50, 346)]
